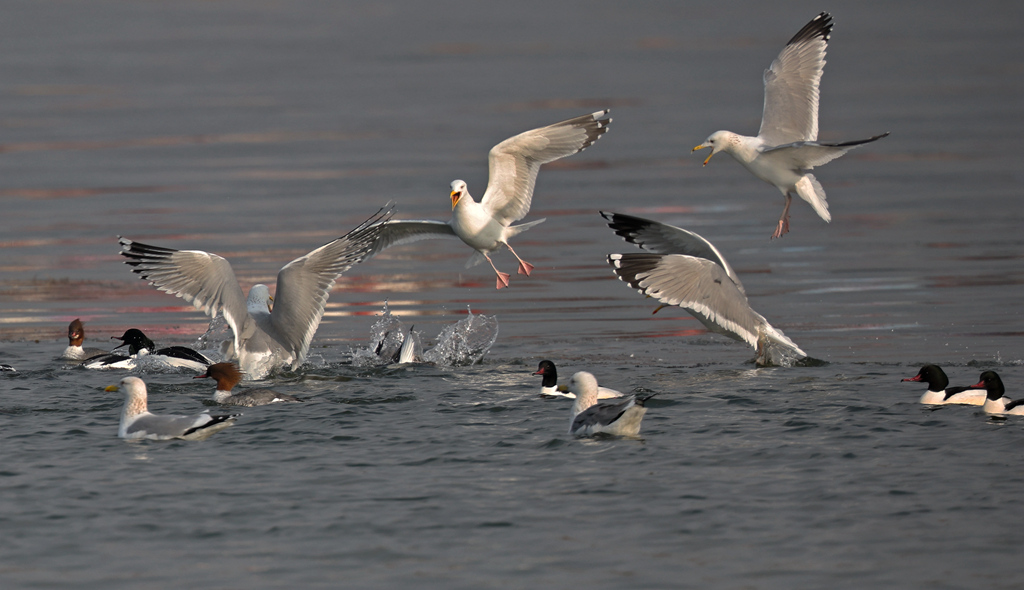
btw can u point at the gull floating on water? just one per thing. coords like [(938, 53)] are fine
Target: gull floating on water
[(228, 376), (137, 422), (76, 336), (264, 339), (939, 392), (996, 402), (686, 270), (786, 147), (549, 386), (619, 418), (513, 165)]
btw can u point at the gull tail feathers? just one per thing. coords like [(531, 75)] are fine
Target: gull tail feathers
[(811, 191), (515, 230)]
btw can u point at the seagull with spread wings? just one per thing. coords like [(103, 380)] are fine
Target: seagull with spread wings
[(514, 163), (265, 338), (683, 269), (786, 147)]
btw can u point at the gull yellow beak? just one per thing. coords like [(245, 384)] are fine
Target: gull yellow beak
[(270, 303), (456, 195), (700, 147), (111, 388)]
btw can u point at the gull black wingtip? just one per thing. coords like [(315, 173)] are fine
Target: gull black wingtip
[(819, 27)]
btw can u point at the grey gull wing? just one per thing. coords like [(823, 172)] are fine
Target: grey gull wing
[(514, 163), (661, 238), (791, 86)]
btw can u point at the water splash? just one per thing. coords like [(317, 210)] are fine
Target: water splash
[(465, 342)]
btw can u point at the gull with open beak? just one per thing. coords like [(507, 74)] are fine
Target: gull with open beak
[(786, 147), (486, 225)]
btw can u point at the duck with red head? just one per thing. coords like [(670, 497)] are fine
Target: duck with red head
[(228, 376), (76, 336)]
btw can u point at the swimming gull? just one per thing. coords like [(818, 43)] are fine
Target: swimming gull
[(619, 418), (513, 167), (228, 376), (263, 338), (137, 422), (549, 386), (685, 270), (939, 392), (786, 146)]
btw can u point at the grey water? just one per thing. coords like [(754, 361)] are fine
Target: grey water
[(261, 130)]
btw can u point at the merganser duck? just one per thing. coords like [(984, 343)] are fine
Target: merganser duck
[(137, 422), (140, 345), (619, 418), (514, 163), (549, 386), (683, 269), (227, 376), (996, 402), (939, 392), (786, 147), (265, 337), (74, 351)]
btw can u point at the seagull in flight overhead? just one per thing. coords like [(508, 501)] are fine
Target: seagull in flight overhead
[(486, 225), (265, 338), (786, 147)]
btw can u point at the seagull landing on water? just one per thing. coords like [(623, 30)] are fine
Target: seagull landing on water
[(265, 338), (681, 268), (786, 147), (486, 226)]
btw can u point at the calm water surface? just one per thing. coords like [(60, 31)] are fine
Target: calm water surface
[(261, 131)]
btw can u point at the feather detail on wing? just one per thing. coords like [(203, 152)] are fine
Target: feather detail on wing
[(695, 284), (397, 232), (515, 162), (791, 86), (205, 280), (304, 284), (661, 238)]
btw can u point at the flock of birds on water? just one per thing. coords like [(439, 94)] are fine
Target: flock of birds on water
[(676, 267)]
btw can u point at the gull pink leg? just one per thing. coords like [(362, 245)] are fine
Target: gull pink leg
[(524, 266), (783, 227), (502, 276)]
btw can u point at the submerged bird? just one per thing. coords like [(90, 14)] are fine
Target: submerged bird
[(686, 270), (996, 402), (939, 392), (619, 418), (549, 386), (227, 376), (264, 338), (786, 147), (514, 163), (137, 422), (76, 336)]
